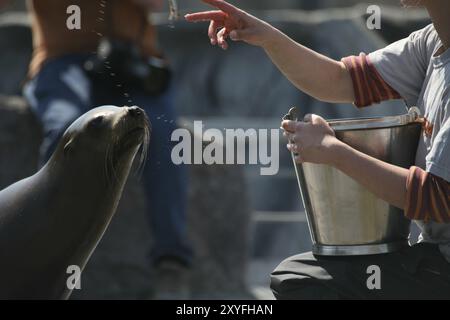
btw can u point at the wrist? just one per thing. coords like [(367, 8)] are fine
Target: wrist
[(271, 37), (338, 153)]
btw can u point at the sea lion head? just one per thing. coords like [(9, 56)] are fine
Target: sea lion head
[(105, 138)]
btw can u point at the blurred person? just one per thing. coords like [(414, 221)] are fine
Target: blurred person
[(112, 58), (415, 69)]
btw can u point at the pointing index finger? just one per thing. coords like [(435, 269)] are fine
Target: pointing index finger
[(207, 16)]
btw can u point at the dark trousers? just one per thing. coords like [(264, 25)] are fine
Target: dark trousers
[(416, 272)]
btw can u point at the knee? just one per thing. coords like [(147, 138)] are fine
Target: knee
[(288, 286), (292, 281), (295, 287)]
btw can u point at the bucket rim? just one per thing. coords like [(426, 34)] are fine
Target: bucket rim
[(372, 123), (347, 124)]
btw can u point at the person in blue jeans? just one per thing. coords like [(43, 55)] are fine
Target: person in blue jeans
[(60, 90)]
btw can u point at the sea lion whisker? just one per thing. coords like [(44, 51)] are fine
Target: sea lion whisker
[(110, 162), (141, 162), (146, 142), (144, 152)]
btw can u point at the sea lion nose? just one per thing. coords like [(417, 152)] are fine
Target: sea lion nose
[(134, 111)]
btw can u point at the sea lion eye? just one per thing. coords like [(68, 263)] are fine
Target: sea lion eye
[(96, 122)]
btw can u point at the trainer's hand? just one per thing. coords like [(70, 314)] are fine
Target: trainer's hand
[(312, 141), (234, 23)]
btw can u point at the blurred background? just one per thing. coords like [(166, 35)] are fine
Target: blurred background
[(242, 224)]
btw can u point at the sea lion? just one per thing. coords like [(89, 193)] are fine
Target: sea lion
[(55, 218)]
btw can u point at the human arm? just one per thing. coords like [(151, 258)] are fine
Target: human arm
[(321, 77)]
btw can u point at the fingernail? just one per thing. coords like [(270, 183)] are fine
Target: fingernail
[(213, 42), (233, 35)]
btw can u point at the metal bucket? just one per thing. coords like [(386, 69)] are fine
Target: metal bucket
[(345, 218)]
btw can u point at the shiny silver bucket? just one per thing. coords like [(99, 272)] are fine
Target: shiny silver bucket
[(344, 218)]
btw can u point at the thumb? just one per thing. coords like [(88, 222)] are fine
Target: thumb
[(308, 118), (314, 119)]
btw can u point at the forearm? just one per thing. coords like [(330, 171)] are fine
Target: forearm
[(315, 74), (386, 181)]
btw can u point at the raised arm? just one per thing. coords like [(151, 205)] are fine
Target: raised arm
[(321, 77)]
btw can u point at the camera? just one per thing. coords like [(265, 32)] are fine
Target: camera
[(118, 59)]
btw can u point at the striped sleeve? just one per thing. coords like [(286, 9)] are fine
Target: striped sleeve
[(368, 85), (427, 197)]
